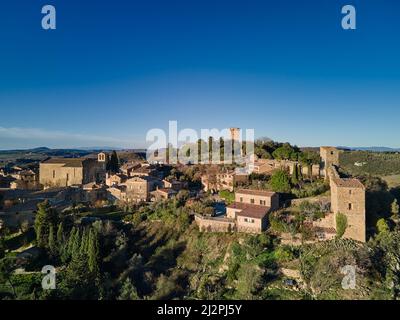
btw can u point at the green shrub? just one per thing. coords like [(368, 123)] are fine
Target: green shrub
[(341, 224), (229, 197), (280, 181), (310, 189)]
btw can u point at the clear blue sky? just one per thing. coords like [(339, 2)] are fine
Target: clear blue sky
[(114, 69)]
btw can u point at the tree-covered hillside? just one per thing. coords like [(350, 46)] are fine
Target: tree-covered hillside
[(157, 252), (370, 163)]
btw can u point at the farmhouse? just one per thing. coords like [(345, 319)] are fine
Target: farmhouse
[(247, 214)]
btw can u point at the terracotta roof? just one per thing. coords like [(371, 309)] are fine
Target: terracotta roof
[(166, 190), (349, 183), (121, 188), (90, 186), (121, 176), (68, 162), (130, 166), (250, 210), (142, 170), (328, 148), (255, 192)]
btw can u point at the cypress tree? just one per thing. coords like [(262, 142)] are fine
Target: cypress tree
[(45, 217), (210, 148), (395, 209), (60, 236), (295, 175), (93, 252), (300, 173), (84, 242), (52, 242), (113, 164), (76, 241), (70, 241), (222, 148)]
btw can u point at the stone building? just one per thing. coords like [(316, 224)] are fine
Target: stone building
[(62, 172), (175, 184), (223, 180), (117, 193), (127, 168), (115, 179), (26, 180), (247, 214), (137, 189), (348, 198), (143, 171), (268, 166), (162, 194), (257, 197), (93, 192)]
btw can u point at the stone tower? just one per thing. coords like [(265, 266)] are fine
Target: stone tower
[(102, 161), (235, 134), (236, 140), (329, 156), (102, 158), (348, 198)]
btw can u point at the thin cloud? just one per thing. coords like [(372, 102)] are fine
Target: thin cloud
[(31, 135)]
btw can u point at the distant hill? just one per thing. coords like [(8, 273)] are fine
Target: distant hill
[(40, 149), (34, 155), (103, 148), (373, 149)]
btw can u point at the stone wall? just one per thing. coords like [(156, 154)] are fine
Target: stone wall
[(327, 222), (211, 224), (268, 166)]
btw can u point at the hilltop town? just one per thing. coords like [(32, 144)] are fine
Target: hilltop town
[(155, 229)]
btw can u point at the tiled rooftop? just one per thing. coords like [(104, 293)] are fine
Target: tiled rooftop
[(250, 210), (67, 162), (255, 192)]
